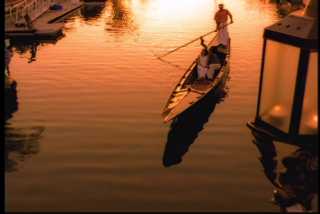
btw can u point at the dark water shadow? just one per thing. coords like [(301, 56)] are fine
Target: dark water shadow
[(10, 99), (92, 11), (22, 46), (20, 143), (296, 182), (185, 128)]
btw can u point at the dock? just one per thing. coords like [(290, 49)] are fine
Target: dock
[(43, 20), (93, 1)]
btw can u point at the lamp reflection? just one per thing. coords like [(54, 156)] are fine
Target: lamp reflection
[(295, 186), (312, 124), (186, 127), (277, 112), (276, 115)]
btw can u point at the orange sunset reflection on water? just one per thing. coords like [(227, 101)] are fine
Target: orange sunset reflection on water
[(97, 93)]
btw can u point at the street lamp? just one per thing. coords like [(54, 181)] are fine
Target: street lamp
[(288, 88)]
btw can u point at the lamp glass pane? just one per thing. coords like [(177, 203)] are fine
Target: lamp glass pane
[(278, 84), (309, 119)]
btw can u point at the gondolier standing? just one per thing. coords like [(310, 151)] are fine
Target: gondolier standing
[(221, 18)]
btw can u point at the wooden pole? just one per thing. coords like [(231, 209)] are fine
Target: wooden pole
[(188, 43)]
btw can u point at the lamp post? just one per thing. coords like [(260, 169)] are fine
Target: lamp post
[(288, 88)]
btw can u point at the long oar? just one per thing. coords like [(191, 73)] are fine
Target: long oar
[(188, 43)]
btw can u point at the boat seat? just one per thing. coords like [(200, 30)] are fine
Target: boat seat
[(181, 90), (201, 85)]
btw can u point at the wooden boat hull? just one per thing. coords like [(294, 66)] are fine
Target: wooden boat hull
[(188, 92)]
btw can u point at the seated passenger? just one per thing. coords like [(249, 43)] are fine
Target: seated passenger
[(214, 66), (221, 52), (202, 67)]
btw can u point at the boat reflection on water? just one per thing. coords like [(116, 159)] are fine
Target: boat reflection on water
[(92, 10), (186, 127), (296, 187)]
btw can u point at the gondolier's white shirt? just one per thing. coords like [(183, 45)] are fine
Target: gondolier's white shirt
[(223, 34)]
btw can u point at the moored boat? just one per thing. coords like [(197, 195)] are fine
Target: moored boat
[(190, 90)]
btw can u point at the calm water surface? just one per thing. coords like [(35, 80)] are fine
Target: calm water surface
[(88, 133)]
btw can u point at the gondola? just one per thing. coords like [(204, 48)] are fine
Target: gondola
[(189, 91)]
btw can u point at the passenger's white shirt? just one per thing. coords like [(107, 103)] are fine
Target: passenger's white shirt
[(203, 61), (223, 34), (202, 67)]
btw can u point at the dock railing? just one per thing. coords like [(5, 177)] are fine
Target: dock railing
[(34, 8)]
